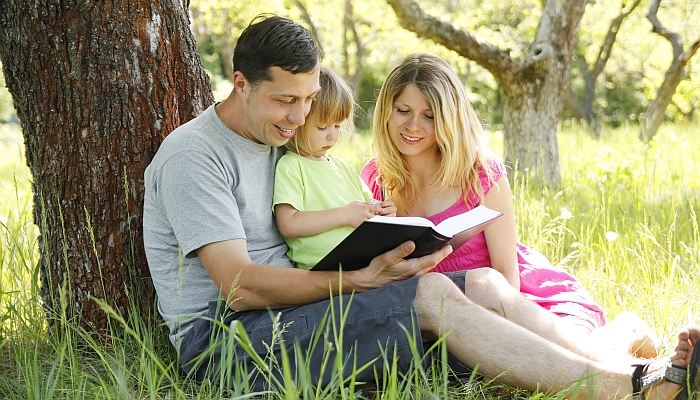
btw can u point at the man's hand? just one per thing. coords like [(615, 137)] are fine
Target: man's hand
[(392, 267)]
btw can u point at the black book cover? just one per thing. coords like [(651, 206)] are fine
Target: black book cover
[(381, 234)]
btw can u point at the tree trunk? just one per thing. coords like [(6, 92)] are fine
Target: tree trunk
[(583, 110), (97, 86), (656, 112), (350, 31), (530, 121), (589, 79), (534, 89)]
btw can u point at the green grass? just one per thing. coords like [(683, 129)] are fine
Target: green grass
[(624, 222)]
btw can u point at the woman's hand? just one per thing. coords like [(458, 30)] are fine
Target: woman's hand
[(388, 208)]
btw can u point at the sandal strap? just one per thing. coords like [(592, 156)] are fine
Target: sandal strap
[(675, 374), (637, 389), (641, 382)]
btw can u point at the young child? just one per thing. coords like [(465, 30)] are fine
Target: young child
[(319, 199)]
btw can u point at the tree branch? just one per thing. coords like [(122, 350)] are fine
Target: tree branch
[(606, 48), (688, 54), (466, 44), (307, 18), (673, 37)]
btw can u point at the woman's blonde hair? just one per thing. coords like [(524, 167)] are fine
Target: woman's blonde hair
[(460, 138), (334, 103)]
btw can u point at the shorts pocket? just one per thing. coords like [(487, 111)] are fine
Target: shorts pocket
[(287, 331)]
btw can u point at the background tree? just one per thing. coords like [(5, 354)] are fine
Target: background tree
[(97, 86), (655, 114), (352, 35), (532, 87), (583, 107)]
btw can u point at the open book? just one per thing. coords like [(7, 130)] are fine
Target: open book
[(380, 234)]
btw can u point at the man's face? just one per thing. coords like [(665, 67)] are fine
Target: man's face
[(276, 108)]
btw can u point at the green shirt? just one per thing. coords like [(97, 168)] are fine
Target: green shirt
[(309, 185)]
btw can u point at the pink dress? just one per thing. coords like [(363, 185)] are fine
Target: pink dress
[(549, 286)]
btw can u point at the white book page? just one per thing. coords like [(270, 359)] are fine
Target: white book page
[(415, 221), (458, 223)]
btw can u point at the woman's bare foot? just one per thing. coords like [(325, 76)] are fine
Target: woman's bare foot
[(644, 342), (627, 334)]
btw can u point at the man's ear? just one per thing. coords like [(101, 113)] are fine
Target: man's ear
[(240, 83)]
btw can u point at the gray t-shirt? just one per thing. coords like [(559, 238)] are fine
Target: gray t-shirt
[(205, 184)]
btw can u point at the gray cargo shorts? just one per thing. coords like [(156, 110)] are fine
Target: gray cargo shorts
[(378, 325)]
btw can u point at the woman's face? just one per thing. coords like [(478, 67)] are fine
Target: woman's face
[(411, 124)]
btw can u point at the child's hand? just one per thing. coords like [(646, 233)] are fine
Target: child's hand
[(358, 211), (388, 208)]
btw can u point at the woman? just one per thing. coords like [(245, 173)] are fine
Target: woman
[(433, 161)]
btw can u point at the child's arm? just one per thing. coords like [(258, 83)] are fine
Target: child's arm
[(294, 223)]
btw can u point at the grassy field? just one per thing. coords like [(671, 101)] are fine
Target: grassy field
[(624, 222)]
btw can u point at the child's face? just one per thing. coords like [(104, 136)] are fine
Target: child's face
[(322, 137)]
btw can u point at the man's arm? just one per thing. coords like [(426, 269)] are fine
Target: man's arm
[(261, 286)]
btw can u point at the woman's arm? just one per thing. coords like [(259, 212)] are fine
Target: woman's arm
[(500, 235)]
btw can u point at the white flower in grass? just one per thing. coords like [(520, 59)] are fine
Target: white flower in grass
[(565, 214), (610, 236), (3, 220), (575, 244)]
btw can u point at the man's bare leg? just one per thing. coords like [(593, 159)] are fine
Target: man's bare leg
[(498, 346)]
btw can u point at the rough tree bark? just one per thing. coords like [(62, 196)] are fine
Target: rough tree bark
[(583, 109), (97, 85), (656, 112), (533, 88)]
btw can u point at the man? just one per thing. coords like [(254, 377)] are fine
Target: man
[(218, 261)]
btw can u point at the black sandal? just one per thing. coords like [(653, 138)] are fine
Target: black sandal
[(687, 378)]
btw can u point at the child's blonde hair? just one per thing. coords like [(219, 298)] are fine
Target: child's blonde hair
[(461, 142), (334, 103)]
